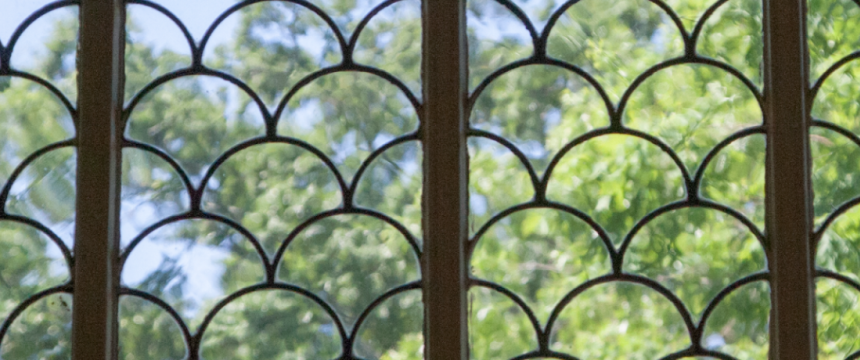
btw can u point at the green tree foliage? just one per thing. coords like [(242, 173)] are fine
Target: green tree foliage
[(327, 181)]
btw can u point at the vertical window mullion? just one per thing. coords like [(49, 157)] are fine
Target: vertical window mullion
[(789, 219), (98, 179), (445, 193)]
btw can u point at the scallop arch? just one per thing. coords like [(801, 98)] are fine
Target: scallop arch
[(391, 295), (642, 78), (496, 294), (18, 310), (26, 162), (413, 243), (192, 47), (164, 307), (290, 289), (64, 101), (24, 25), (45, 231)]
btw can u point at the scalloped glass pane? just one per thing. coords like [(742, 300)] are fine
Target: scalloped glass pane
[(146, 331), (617, 180), (836, 101), (618, 321), (31, 118), (48, 49), (615, 41), (497, 181), (394, 329), (347, 115), (154, 46), (735, 177), (540, 109), (45, 192), (392, 42), (197, 15), (740, 322), (272, 46), (15, 12), (498, 327), (271, 324), (349, 261), (392, 185), (42, 331), (837, 248), (192, 264), (835, 171), (690, 11), (195, 119), (271, 189), (695, 253), (838, 319), (540, 254), (832, 26), (31, 263), (496, 38), (733, 34), (692, 108), (151, 190)]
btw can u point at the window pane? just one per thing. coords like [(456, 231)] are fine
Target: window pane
[(617, 168), (38, 42), (834, 47), (272, 180)]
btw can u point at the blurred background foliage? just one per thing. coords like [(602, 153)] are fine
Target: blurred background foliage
[(281, 199)]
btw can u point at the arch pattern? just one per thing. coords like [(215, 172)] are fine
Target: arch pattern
[(22, 287), (280, 165), (619, 253)]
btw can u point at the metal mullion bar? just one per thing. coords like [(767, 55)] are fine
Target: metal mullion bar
[(445, 194), (789, 194), (100, 71)]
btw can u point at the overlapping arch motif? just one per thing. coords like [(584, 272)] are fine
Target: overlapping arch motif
[(28, 228), (273, 260), (619, 250), (833, 76)]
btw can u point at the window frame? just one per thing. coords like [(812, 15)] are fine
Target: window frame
[(445, 194)]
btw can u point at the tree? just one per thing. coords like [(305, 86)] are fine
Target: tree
[(345, 145)]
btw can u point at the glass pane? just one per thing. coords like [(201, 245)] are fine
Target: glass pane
[(272, 180), (617, 179), (834, 30), (38, 43)]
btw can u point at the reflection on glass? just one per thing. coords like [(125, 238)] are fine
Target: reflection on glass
[(37, 178), (268, 189)]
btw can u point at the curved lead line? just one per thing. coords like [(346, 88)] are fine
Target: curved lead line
[(7, 188), (540, 192), (196, 340), (524, 19), (125, 291), (725, 292), (540, 336), (353, 39), (278, 258), (200, 215), (53, 89), (473, 242), (706, 204), (65, 288), (132, 144), (813, 92), (840, 210), (198, 58), (401, 289), (198, 195), (703, 166), (522, 63), (353, 186), (67, 253), (700, 24), (539, 355), (556, 15), (170, 15), (686, 61), (628, 278), (10, 47), (692, 351), (593, 134)]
